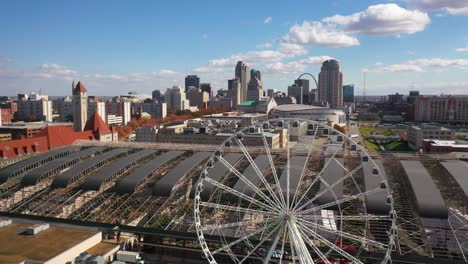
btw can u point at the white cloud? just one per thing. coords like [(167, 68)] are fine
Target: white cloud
[(458, 11), (418, 65), (295, 66), (319, 34), (396, 68), (292, 50), (465, 49), (268, 20), (266, 45), (6, 60), (55, 78), (285, 51), (383, 19), (439, 62), (454, 7)]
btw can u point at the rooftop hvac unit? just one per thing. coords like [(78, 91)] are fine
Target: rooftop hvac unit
[(5, 222), (34, 229), (86, 258)]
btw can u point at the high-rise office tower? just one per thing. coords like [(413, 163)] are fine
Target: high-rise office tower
[(271, 92), (176, 99), (192, 80), (80, 106), (348, 93), (198, 98), (255, 74), (206, 87), (330, 90), (255, 89), (242, 73), (157, 96), (297, 92), (304, 83), (234, 91)]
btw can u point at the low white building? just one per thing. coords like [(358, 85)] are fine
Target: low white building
[(416, 134), (316, 113)]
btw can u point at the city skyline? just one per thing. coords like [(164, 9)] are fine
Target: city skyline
[(121, 48)]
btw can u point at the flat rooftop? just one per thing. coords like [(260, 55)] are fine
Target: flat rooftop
[(431, 127), (296, 107), (102, 248), (32, 125), (16, 247)]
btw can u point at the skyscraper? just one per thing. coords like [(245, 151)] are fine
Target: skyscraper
[(206, 87), (255, 74), (80, 106), (304, 83), (255, 89), (348, 93), (157, 96), (242, 73), (176, 99), (297, 92), (330, 90), (192, 80), (234, 91)]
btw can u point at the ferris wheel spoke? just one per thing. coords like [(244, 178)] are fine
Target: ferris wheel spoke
[(347, 217), (259, 173), (299, 244), (245, 237), (247, 181), (293, 252), (314, 247), (273, 169), (234, 208), (345, 234), (241, 195), (273, 246), (260, 244), (230, 225), (285, 231), (329, 187), (287, 164), (331, 245), (339, 201), (319, 176), (306, 165)]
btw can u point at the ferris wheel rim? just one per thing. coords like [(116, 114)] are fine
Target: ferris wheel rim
[(270, 202)]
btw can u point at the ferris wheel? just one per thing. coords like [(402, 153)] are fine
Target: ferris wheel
[(293, 191)]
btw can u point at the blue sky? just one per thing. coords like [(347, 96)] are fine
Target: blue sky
[(121, 46)]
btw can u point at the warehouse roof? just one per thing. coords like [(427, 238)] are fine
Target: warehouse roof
[(429, 201), (34, 176), (263, 164), (34, 160), (331, 174), (118, 166), (218, 172), (296, 166), (129, 183), (163, 186), (64, 179), (375, 202), (459, 171)]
